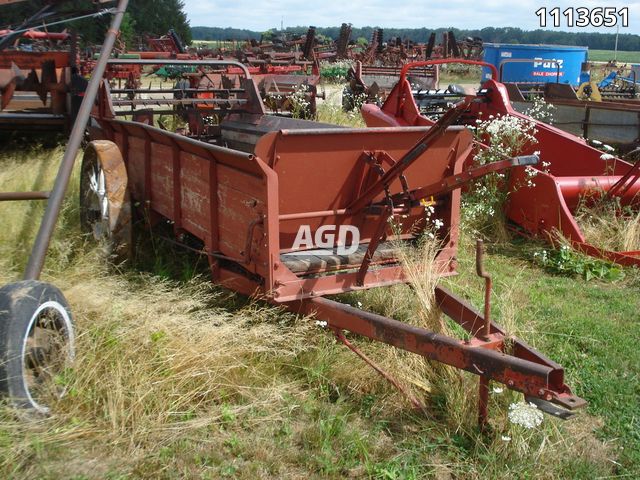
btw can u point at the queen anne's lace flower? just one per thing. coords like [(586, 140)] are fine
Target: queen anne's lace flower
[(541, 110), (504, 136), (525, 414)]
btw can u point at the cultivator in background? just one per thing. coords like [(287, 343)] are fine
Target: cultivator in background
[(471, 48), (36, 85), (620, 84), (171, 43), (372, 84), (574, 169), (341, 49), (33, 88)]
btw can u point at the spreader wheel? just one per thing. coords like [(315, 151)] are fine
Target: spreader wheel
[(36, 343), (105, 207)]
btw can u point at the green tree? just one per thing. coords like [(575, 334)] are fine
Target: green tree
[(128, 29), (150, 17)]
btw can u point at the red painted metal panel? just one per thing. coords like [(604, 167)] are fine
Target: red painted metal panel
[(323, 171), (233, 202), (161, 166), (33, 60)]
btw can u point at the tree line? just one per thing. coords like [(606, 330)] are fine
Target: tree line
[(595, 41), (151, 17), (156, 17)]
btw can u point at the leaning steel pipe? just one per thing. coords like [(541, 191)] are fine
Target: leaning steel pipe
[(52, 212)]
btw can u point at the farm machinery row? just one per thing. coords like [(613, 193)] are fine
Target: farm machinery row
[(375, 66), (37, 75), (38, 78), (241, 192)]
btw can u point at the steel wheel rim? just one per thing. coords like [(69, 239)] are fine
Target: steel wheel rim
[(97, 202), (48, 347)]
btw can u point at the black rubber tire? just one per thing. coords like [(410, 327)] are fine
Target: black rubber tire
[(24, 307)]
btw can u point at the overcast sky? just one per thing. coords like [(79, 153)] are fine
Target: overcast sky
[(261, 15)]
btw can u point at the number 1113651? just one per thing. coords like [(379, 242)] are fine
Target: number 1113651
[(584, 17)]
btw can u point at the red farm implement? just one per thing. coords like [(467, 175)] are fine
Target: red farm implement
[(373, 83), (242, 192), (575, 169), (37, 90), (33, 88)]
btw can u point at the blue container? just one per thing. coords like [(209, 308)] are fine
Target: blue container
[(537, 63)]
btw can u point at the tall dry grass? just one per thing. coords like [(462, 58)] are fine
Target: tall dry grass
[(156, 359), (608, 225), (330, 110)]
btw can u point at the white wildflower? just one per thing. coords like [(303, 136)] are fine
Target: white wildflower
[(525, 414), (321, 323), (506, 438), (606, 156), (497, 390)]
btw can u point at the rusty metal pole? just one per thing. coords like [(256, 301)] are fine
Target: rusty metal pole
[(19, 196), (483, 381), (487, 288), (52, 212), (483, 402)]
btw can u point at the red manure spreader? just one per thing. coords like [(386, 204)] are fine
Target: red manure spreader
[(242, 191)]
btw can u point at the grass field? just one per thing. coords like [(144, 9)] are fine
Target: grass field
[(606, 55), (177, 378)]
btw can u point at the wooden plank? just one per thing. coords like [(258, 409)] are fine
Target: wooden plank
[(299, 262)]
